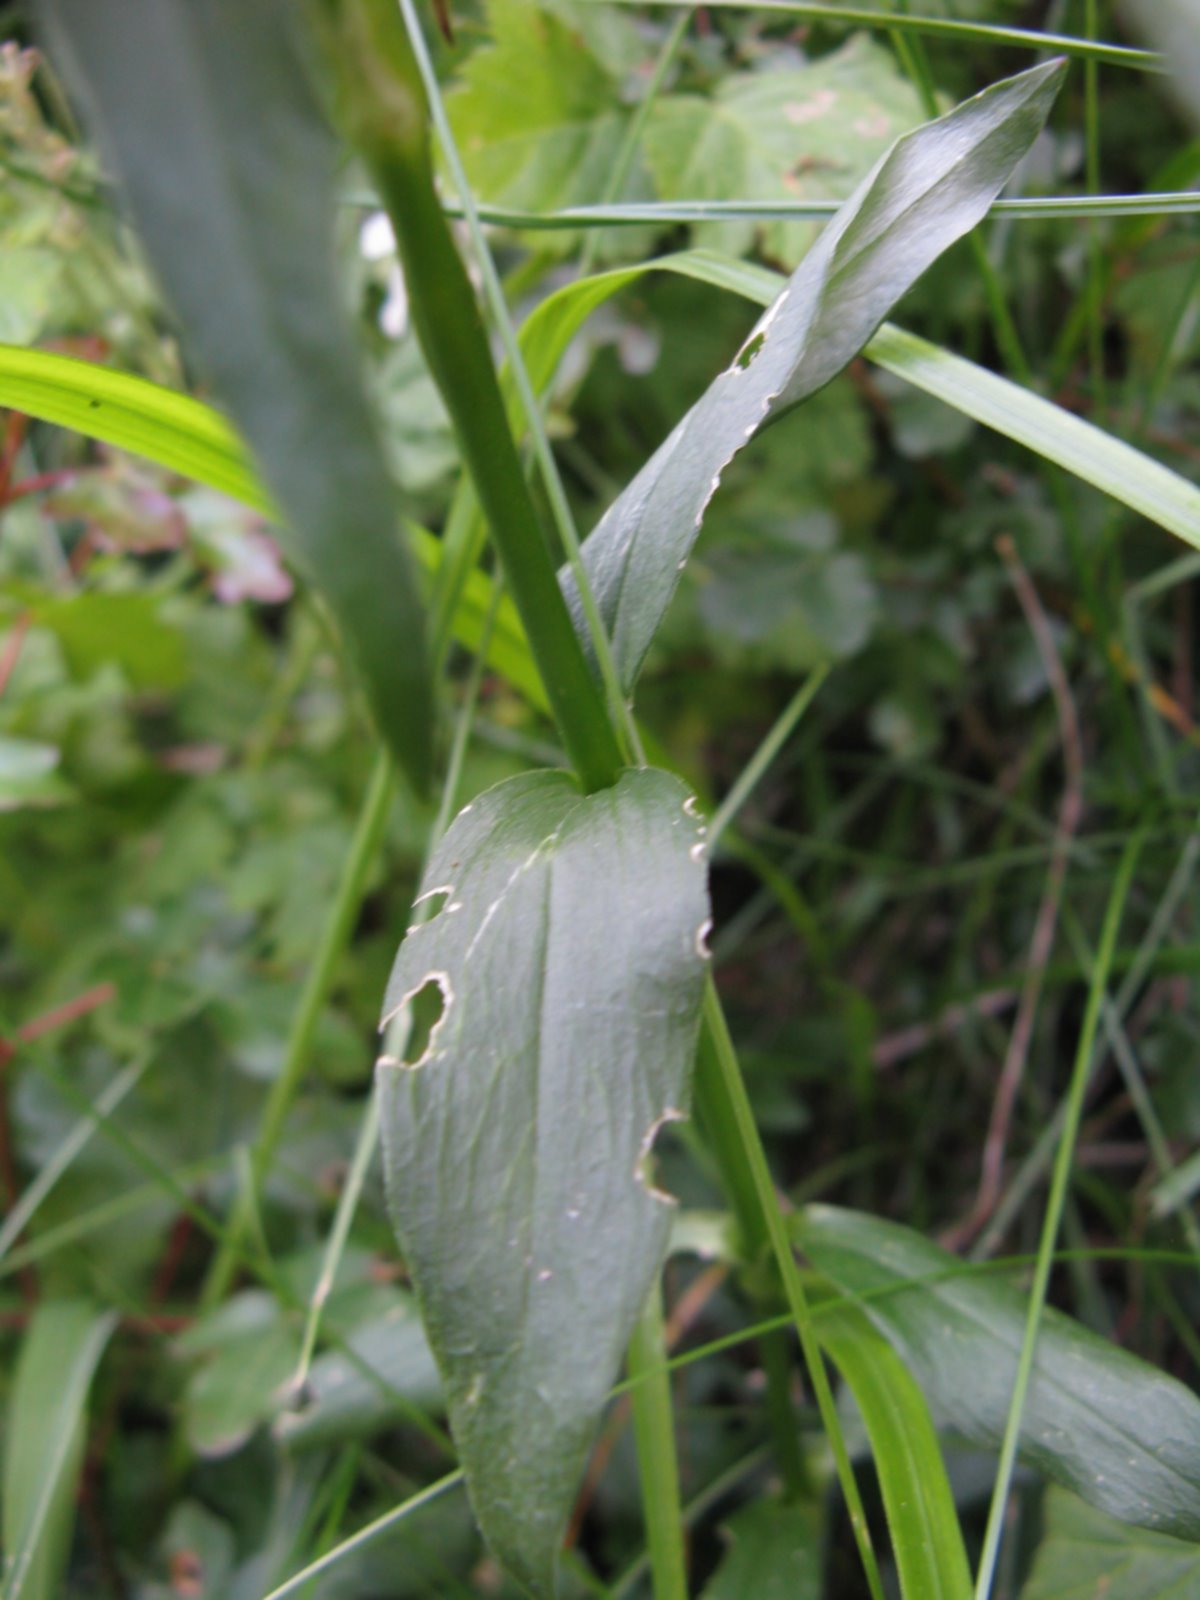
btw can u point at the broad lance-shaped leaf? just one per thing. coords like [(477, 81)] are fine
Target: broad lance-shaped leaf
[(1121, 1434), (566, 955), (932, 187), (205, 111)]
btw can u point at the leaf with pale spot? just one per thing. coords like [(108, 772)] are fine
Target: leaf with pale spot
[(555, 997)]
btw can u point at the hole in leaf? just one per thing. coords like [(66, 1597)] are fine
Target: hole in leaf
[(750, 349), (430, 904), (428, 1006), (645, 1168)]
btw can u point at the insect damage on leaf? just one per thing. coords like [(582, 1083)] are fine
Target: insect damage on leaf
[(518, 1162)]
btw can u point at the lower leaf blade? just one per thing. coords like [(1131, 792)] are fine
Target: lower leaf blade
[(568, 955), (1118, 1432)]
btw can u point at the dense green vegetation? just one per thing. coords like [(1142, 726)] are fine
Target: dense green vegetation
[(866, 931)]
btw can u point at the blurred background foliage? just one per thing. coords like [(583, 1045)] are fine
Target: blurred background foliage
[(182, 758)]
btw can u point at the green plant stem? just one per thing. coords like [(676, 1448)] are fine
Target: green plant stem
[(386, 113), (655, 1435), (627, 154), (775, 1349), (618, 707), (1096, 273), (1054, 1210), (721, 1093), (335, 936)]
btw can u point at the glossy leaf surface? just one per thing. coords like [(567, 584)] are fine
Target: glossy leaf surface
[(933, 186), (205, 111), (1097, 1420), (566, 957)]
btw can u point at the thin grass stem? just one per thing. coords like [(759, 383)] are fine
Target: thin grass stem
[(1116, 55), (759, 1210), (658, 1468), (1053, 1215), (752, 773), (365, 1536)]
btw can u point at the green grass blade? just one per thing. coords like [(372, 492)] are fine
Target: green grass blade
[(926, 1537), (299, 1581), (1078, 447), (1053, 1217), (1116, 55), (44, 1436), (654, 1428), (190, 438), (57, 1163), (660, 213)]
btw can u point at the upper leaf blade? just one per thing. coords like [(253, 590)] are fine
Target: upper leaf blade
[(205, 111), (1112, 1428), (569, 957), (933, 186)]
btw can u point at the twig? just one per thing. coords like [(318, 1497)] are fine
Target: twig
[(904, 1042), (1045, 927)]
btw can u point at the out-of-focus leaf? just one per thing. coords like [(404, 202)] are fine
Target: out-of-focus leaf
[(44, 1437), (1099, 1421), (190, 438), (341, 1401), (1085, 1555), (554, 142), (563, 966), (930, 189), (29, 277), (1172, 27), (774, 1554), (926, 1537), (205, 110), (28, 775), (808, 133), (125, 628), (247, 1353)]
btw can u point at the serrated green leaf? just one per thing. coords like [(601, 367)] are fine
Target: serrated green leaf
[(1097, 1420), (933, 186), (808, 133), (44, 1437), (205, 111), (567, 955), (555, 142), (1085, 1555), (926, 1537), (774, 1554)]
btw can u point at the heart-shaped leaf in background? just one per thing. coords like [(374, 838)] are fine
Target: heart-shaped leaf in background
[(932, 187), (565, 963), (205, 111)]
